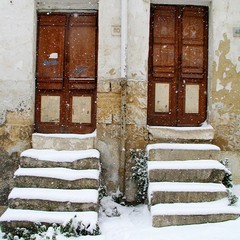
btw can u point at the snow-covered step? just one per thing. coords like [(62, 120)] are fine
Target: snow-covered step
[(14, 218), (186, 171), (54, 199), (192, 213), (176, 192), (181, 151), (81, 159), (63, 141), (62, 178)]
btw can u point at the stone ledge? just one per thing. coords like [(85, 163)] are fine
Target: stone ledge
[(205, 132), (63, 141)]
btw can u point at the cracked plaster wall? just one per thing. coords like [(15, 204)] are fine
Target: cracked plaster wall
[(17, 71), (224, 108), (109, 135)]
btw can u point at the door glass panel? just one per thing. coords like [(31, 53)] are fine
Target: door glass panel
[(50, 114), (81, 109), (192, 99), (162, 97)]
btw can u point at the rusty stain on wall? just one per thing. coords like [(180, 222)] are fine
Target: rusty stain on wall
[(226, 98)]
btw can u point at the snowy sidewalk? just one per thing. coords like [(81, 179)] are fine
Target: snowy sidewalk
[(134, 223)]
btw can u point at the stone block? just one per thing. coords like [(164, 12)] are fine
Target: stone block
[(60, 142)]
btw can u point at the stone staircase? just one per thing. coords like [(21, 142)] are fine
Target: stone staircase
[(185, 185), (57, 180)]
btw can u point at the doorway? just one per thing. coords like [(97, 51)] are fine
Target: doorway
[(178, 65), (66, 75)]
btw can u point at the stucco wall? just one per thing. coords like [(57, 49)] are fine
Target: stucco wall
[(17, 71), (225, 81)]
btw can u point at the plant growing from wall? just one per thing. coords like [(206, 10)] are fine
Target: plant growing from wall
[(227, 182), (140, 174)]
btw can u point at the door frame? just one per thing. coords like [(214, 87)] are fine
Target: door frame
[(90, 88), (157, 3)]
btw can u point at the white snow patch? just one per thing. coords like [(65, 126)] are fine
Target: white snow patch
[(182, 146), (87, 218), (58, 173), (186, 164), (185, 187), (59, 195), (60, 156), (77, 136), (203, 127), (203, 208), (135, 223)]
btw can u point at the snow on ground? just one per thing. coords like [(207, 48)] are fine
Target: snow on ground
[(134, 223)]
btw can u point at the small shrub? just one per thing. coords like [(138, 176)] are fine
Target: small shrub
[(227, 182), (140, 174), (73, 228)]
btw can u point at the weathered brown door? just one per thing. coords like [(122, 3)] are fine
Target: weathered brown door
[(177, 89), (66, 73)]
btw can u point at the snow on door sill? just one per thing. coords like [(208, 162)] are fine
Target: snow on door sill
[(205, 132)]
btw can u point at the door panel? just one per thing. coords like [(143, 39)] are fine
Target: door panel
[(162, 67), (82, 49), (177, 65), (66, 73), (50, 57), (193, 66)]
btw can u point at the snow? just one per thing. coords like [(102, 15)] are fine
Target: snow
[(187, 164), (185, 187), (203, 127), (134, 223), (181, 146), (60, 156), (77, 136), (49, 217), (60, 195), (59, 173), (202, 208)]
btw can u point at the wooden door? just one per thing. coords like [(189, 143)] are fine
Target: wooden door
[(177, 89), (66, 73)]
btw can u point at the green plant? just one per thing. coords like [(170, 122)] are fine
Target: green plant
[(102, 192), (140, 174), (227, 182), (73, 228)]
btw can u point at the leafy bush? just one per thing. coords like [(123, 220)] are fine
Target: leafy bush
[(227, 182), (140, 174), (73, 228)]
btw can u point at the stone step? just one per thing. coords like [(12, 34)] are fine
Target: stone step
[(192, 213), (179, 151), (178, 192), (14, 218), (82, 159), (62, 178), (63, 141), (186, 171), (54, 199)]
